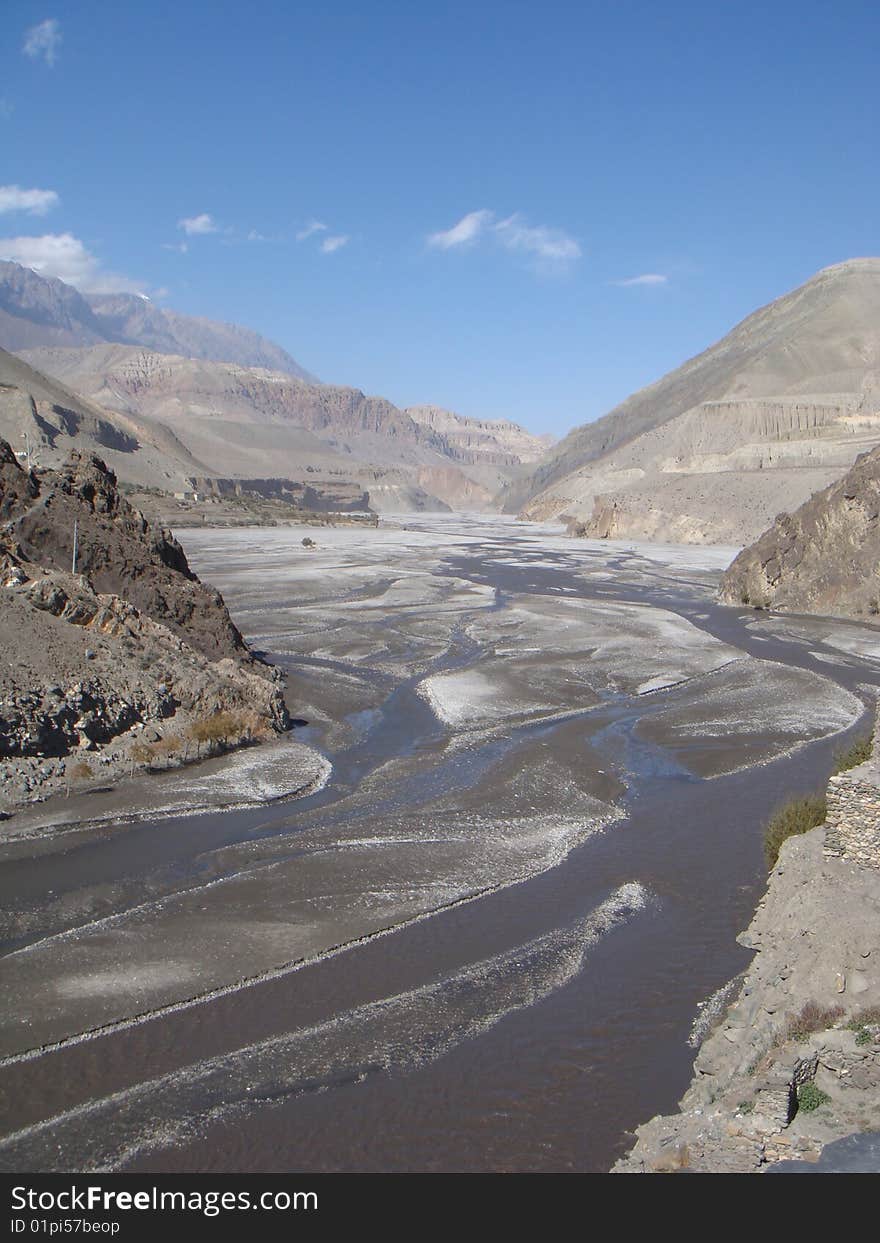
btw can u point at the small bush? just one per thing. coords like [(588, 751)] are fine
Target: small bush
[(810, 1097), (795, 818), (139, 753), (858, 753), (868, 1017), (812, 1018), (864, 1024)]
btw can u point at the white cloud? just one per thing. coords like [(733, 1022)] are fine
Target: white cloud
[(182, 248), (313, 226), (467, 230), (198, 225), (330, 244), (550, 246), (550, 249), (647, 278), (34, 202), (64, 256), (43, 40)]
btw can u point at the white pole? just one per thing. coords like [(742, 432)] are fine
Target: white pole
[(75, 526)]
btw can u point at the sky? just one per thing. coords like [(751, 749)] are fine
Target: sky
[(511, 210)]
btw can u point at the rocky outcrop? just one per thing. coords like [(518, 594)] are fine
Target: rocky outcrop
[(777, 409), (117, 549), (499, 442), (132, 641), (793, 1063), (823, 558)]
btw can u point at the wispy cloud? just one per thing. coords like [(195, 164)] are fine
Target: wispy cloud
[(331, 244), (34, 202), (194, 226), (647, 278), (43, 40), (550, 249), (181, 248), (550, 246), (313, 226), (65, 256), (467, 230)]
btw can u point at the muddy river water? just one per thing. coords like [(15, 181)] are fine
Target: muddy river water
[(483, 941)]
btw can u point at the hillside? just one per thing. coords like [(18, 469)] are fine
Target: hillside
[(38, 411), (126, 638), (824, 558), (257, 422), (774, 411)]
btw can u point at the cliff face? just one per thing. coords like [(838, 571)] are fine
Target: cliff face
[(132, 640), (823, 558)]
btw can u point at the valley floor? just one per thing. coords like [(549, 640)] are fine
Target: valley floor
[(480, 942)]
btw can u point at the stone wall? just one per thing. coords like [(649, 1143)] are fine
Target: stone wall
[(853, 819)]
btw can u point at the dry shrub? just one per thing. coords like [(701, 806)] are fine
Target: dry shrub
[(795, 818)]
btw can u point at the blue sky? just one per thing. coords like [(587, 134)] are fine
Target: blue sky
[(491, 180)]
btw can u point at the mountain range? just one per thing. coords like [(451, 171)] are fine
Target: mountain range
[(38, 310), (226, 403), (772, 413)]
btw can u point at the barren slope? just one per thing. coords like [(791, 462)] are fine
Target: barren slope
[(778, 408), (249, 421)]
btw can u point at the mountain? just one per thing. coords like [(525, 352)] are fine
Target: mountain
[(251, 421), (227, 404), (500, 440), (129, 318), (41, 311), (823, 558), (40, 415), (774, 411)]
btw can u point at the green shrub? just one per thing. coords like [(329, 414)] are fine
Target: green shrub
[(810, 1097), (796, 817), (864, 1023), (858, 753)]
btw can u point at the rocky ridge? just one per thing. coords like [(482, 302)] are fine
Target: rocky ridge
[(823, 558), (130, 648), (260, 422)]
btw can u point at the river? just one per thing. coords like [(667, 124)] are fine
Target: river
[(483, 943)]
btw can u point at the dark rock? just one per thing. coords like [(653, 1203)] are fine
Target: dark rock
[(824, 558)]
